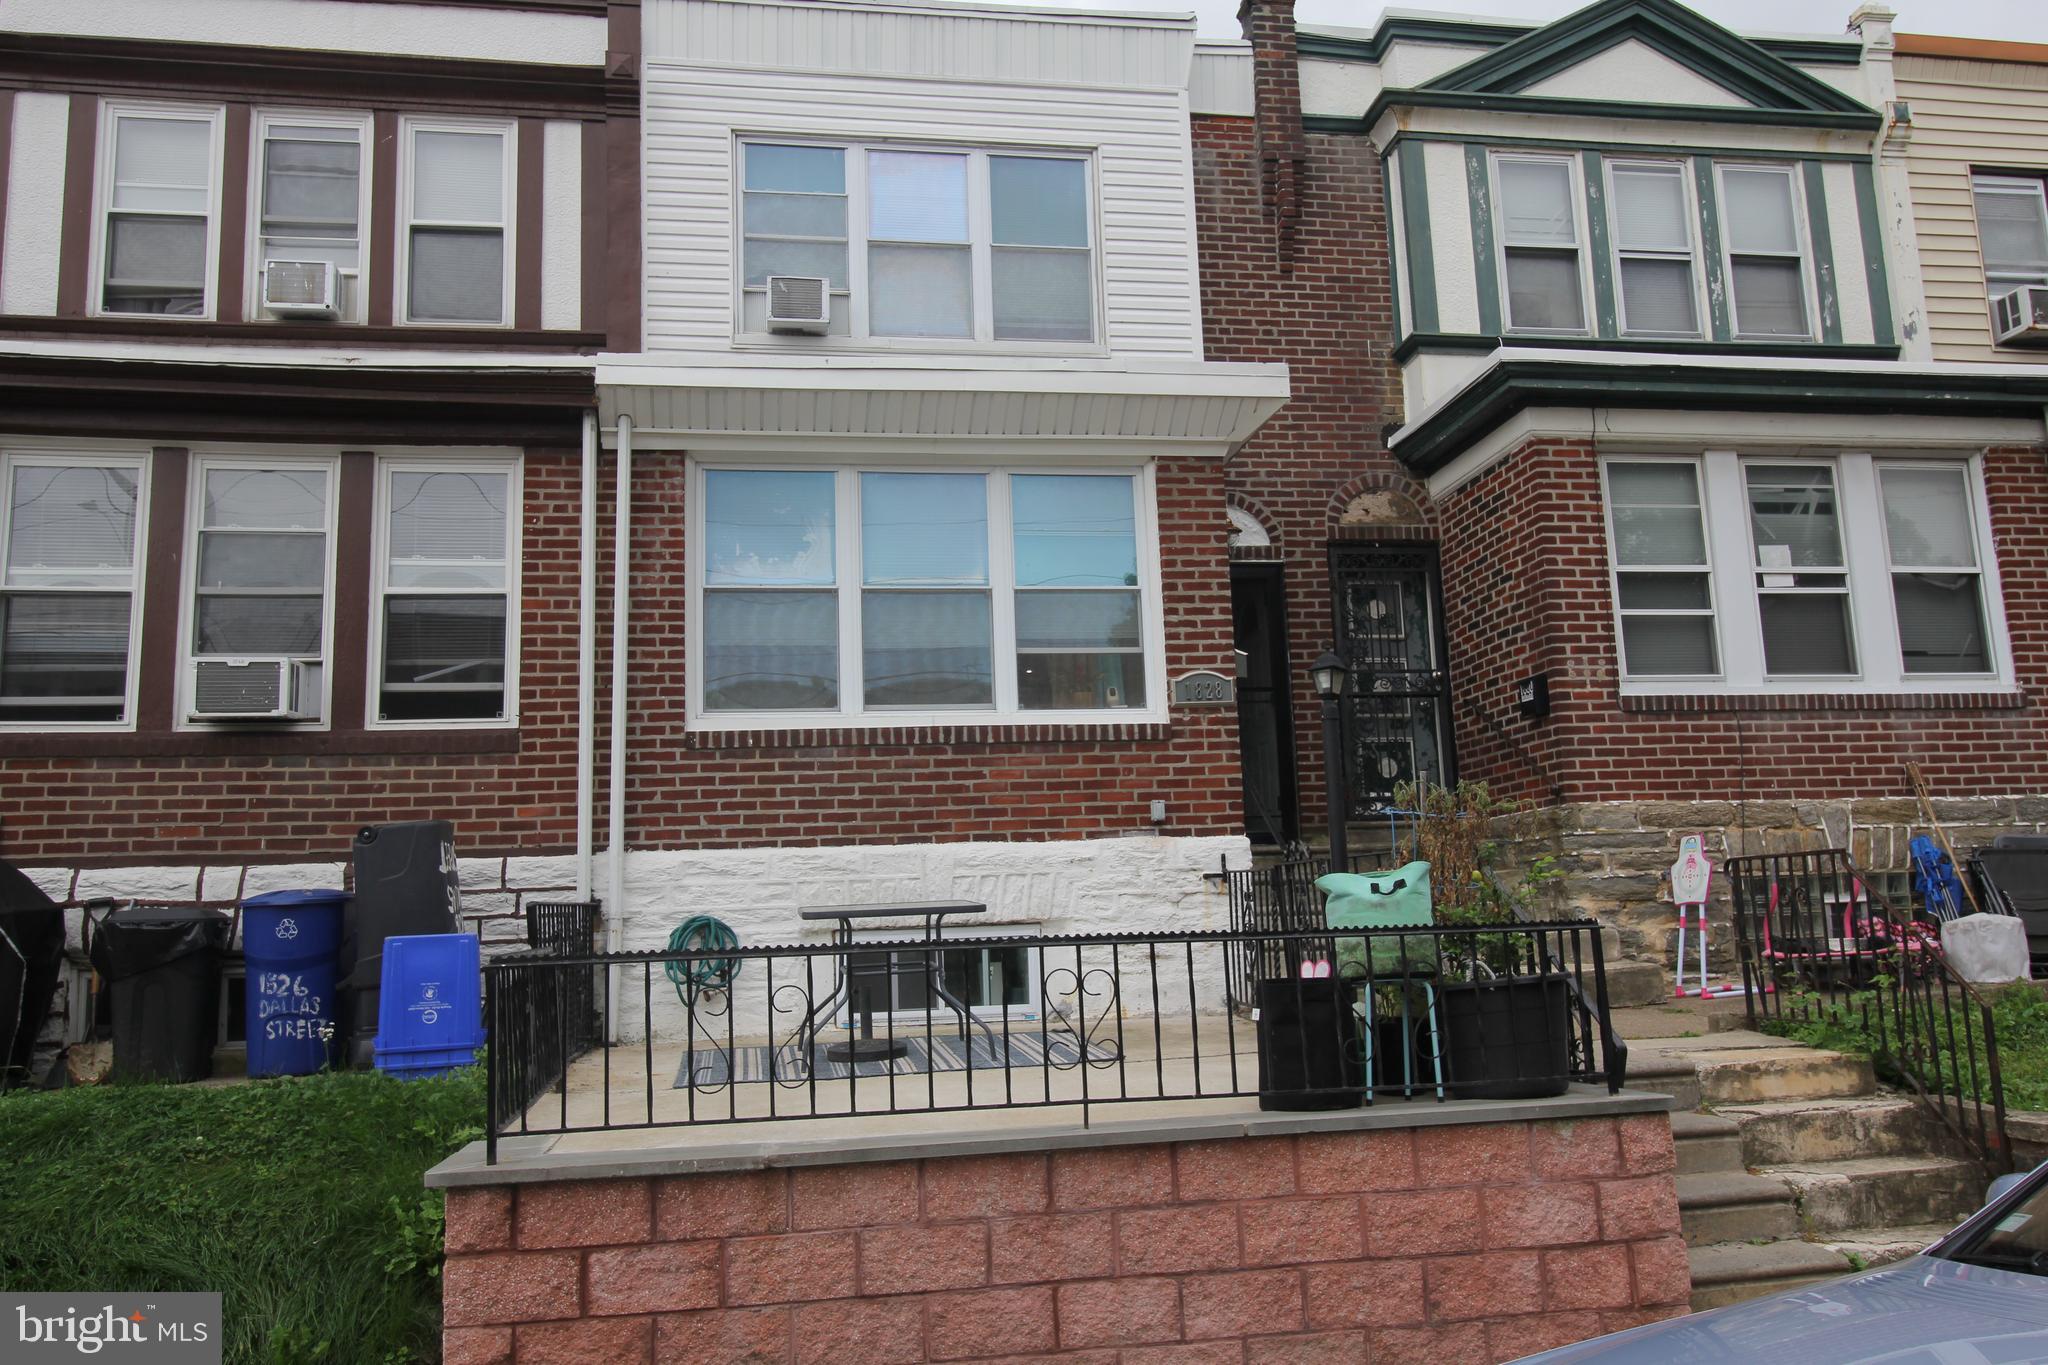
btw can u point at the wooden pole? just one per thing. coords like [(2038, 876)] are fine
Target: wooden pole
[(1919, 780)]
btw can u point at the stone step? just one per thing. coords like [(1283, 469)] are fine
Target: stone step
[(1871, 1247), (1882, 1191), (1733, 1271), (1706, 1143), (1674, 1076), (1758, 1074), (1791, 1132), (1734, 1206), (1634, 982)]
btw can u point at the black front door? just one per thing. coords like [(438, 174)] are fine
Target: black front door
[(1397, 704), (1265, 724)]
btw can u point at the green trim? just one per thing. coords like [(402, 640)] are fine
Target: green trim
[(1513, 383), (1880, 290), (1868, 120), (1801, 350), (1606, 316), (1421, 29), (1334, 123), (1663, 150), (1415, 236), (1823, 253), (1485, 269), (1710, 246), (1396, 258)]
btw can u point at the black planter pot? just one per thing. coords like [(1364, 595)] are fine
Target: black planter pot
[(1507, 1038), (1309, 1054)]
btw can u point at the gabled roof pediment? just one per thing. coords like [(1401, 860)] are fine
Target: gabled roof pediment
[(1635, 42)]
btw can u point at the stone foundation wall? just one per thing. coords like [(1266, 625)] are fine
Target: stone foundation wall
[(1467, 1243)]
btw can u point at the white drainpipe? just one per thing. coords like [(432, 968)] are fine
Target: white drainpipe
[(586, 669), (615, 852)]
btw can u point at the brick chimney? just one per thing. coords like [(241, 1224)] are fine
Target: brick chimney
[(1276, 95)]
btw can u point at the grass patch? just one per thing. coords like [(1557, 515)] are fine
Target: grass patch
[(2019, 1014), (298, 1200)]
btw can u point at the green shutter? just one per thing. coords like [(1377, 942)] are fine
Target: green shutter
[(1710, 246), (1823, 253), (1873, 255), (1606, 317), (1485, 266), (1415, 236)]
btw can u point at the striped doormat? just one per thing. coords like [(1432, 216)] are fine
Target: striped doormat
[(1024, 1052)]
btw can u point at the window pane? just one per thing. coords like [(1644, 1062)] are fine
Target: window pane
[(257, 625), (156, 265), (266, 499), (1657, 296), (1044, 295), (444, 658), (70, 527), (162, 163), (917, 196), (1658, 535), (1770, 298), (1668, 646), (1756, 205), (1666, 483), (926, 649), (920, 291), (924, 529), (68, 645), (1074, 530), (1650, 210), (241, 559), (1536, 202), (1806, 634), (1080, 682), (1792, 517), (1078, 620), (310, 188), (771, 651), (457, 275), (825, 260), (1941, 623), (1927, 518), (1038, 201), (1663, 591), (2013, 229), (458, 177), (796, 215), (447, 528), (768, 526), (811, 170), (1543, 290)]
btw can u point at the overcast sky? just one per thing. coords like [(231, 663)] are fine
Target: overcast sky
[(2025, 20)]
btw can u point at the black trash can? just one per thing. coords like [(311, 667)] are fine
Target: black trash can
[(1309, 1057), (405, 883), (162, 969), (31, 961)]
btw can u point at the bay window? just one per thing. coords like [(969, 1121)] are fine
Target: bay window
[(69, 536), (895, 594), (1539, 235), (444, 591), (157, 195), (1759, 573), (1766, 251)]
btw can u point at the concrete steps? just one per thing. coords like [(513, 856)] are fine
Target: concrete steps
[(1791, 1131), (1733, 1271), (1734, 1206), (1882, 1191), (1706, 1142)]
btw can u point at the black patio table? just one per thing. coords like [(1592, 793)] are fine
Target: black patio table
[(867, 1047)]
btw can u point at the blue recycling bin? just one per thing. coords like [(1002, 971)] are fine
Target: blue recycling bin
[(290, 939), (430, 1005)]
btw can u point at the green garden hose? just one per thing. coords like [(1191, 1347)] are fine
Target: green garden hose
[(702, 934)]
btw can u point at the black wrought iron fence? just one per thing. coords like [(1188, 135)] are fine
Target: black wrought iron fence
[(540, 1020), (819, 1031), (1821, 945)]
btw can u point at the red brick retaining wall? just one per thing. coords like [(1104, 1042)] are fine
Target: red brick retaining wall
[(1466, 1243)]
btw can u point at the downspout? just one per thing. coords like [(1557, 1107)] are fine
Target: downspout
[(586, 669), (615, 851)]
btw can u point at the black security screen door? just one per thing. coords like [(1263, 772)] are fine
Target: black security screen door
[(1265, 727), (1397, 704)]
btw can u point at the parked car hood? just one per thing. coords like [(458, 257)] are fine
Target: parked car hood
[(1897, 1315)]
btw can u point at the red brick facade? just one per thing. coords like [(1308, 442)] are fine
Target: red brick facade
[(1461, 1243)]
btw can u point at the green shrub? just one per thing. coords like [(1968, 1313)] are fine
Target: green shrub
[(2019, 1016), (298, 1200)]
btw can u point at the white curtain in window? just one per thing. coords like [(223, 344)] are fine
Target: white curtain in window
[(458, 177), (1650, 210), (1536, 200), (2012, 226), (917, 196), (162, 164), (1757, 210), (1927, 517)]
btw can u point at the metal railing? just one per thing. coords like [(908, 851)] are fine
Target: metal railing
[(818, 1031), (540, 1020), (1821, 946)]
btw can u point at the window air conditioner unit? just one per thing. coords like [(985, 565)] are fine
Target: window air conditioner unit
[(255, 689), (300, 289), (2021, 317), (799, 303)]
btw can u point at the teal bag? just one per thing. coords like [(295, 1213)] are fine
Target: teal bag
[(1399, 899)]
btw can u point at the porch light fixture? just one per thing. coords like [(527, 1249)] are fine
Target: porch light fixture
[(1329, 675)]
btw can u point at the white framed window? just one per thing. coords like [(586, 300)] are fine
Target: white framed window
[(310, 192), (2012, 231), (1767, 573), (1655, 263), (1537, 207), (895, 986), (71, 528), (156, 234), (456, 258), (445, 641), (1765, 249), (260, 572), (924, 243), (895, 595)]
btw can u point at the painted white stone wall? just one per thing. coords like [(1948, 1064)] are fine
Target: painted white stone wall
[(35, 203)]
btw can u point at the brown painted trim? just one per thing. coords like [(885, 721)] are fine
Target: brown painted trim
[(234, 215), (622, 238), (355, 517), (74, 256), (260, 743), (163, 70), (1973, 49), (539, 6), (163, 578), (140, 328), (383, 272), (530, 160), (6, 152), (595, 232)]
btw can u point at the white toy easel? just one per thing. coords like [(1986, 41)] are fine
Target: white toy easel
[(1691, 876)]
